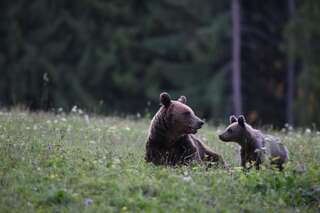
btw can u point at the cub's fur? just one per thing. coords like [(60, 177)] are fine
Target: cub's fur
[(256, 147)]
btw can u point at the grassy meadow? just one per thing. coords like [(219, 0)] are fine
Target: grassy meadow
[(80, 163)]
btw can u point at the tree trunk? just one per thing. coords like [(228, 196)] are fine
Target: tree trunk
[(290, 73), (236, 57)]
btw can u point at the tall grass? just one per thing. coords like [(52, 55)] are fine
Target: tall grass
[(77, 163)]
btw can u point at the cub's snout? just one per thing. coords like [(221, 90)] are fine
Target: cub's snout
[(221, 137)]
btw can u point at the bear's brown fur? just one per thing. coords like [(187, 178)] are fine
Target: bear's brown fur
[(256, 147), (171, 139)]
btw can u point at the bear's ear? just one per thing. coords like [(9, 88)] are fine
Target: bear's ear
[(232, 119), (241, 120), (183, 99), (165, 99)]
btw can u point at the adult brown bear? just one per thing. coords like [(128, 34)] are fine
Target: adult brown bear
[(171, 139)]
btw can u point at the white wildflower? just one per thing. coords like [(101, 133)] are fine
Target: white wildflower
[(187, 178), (74, 108), (307, 131), (116, 161), (45, 77), (86, 118)]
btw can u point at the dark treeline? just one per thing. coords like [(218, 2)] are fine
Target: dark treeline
[(118, 55)]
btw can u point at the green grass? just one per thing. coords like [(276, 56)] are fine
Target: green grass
[(67, 163)]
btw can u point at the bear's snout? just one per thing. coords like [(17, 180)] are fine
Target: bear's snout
[(200, 123), (221, 137)]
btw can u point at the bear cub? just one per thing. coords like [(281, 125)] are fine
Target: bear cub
[(171, 139), (256, 147)]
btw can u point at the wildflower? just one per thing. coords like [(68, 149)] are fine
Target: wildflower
[(87, 201), (52, 176), (187, 178), (50, 147), (116, 161), (46, 77), (63, 119), (74, 108), (60, 109), (308, 131), (86, 118), (300, 168), (288, 127)]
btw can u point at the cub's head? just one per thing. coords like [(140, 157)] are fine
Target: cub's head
[(235, 131), (179, 116)]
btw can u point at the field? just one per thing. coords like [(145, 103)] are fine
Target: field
[(80, 163)]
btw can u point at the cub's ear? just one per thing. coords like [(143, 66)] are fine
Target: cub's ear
[(232, 119), (183, 99), (241, 120), (165, 99)]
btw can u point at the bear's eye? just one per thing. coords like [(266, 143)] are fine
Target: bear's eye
[(229, 130), (186, 113)]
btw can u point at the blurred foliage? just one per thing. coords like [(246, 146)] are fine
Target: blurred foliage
[(117, 56), (111, 55), (306, 31)]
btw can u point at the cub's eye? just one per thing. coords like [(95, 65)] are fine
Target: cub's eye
[(229, 130), (186, 113)]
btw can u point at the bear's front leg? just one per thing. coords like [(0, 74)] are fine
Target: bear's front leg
[(244, 159), (212, 156)]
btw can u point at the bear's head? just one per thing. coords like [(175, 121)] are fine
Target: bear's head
[(179, 116), (235, 131)]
